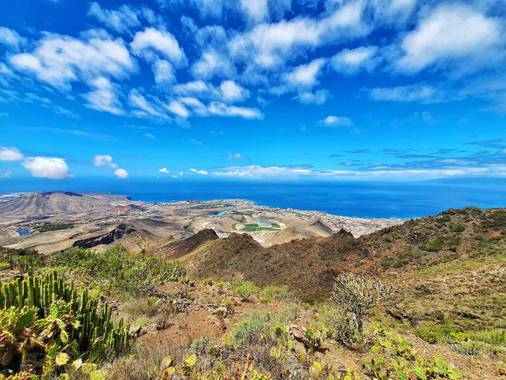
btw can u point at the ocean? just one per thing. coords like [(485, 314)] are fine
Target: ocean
[(361, 199)]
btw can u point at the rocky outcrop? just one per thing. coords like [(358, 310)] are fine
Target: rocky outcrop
[(117, 233)]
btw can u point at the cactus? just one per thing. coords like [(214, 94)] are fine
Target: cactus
[(95, 328)]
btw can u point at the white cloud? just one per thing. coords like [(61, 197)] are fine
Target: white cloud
[(59, 60), (234, 156), (163, 71), (196, 105), (450, 32), (104, 160), (270, 45), (141, 105), (282, 172), (120, 20), (318, 97), (104, 96), (392, 11), (195, 87), (255, 11), (162, 42), (305, 75), (164, 170), (47, 167), (337, 121), (199, 171), (420, 93), (11, 38), (349, 61), (121, 173), (178, 109), (211, 64), (221, 109), (232, 92), (10, 154)]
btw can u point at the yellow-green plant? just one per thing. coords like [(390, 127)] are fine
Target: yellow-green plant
[(78, 318)]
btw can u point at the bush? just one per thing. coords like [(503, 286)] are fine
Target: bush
[(458, 227), (275, 293), (434, 332), (356, 295), (246, 289), (433, 246), (252, 328), (387, 262), (144, 306), (393, 357), (122, 270)]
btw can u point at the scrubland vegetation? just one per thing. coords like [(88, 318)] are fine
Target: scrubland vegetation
[(78, 314)]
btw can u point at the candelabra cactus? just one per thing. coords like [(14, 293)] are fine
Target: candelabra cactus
[(93, 328)]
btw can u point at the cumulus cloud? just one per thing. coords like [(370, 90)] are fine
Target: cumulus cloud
[(232, 92), (104, 160), (10, 154), (104, 96), (221, 109), (163, 72), (305, 75), (178, 109), (349, 61), (255, 11), (337, 121), (59, 60), (164, 170), (11, 39), (212, 63), (318, 97), (451, 31), (153, 40), (120, 20), (121, 173), (47, 167), (142, 107), (270, 45)]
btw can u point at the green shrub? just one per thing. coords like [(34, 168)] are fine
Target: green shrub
[(494, 337), (246, 289), (434, 332), (387, 262), (393, 357), (433, 246), (275, 293), (120, 269), (252, 328), (467, 348), (458, 227)]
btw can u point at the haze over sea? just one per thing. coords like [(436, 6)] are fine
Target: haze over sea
[(360, 199)]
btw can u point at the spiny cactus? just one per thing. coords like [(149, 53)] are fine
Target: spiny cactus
[(94, 328)]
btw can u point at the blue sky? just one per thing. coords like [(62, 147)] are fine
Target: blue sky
[(259, 90)]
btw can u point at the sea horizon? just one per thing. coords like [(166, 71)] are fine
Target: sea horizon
[(365, 199)]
